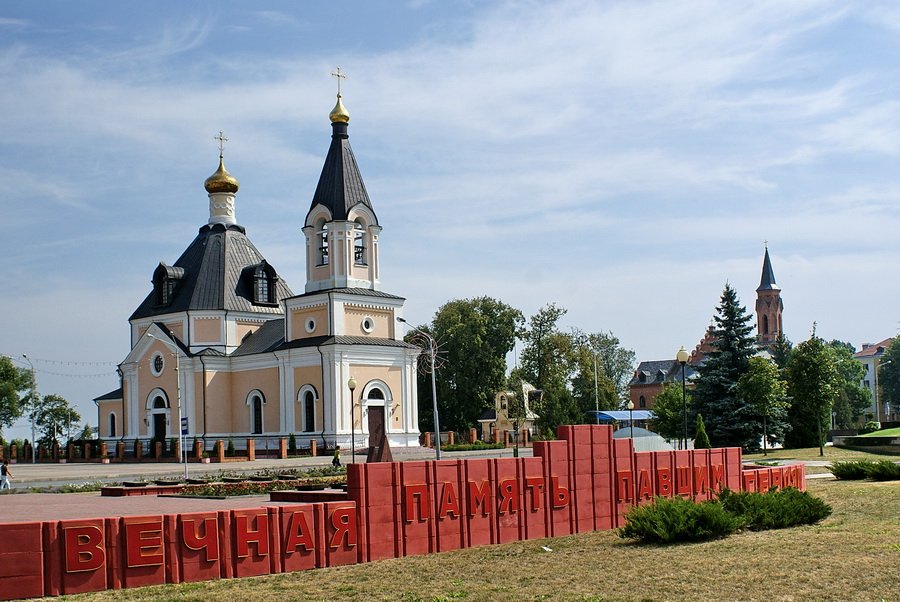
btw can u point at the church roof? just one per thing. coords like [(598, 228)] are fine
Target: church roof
[(767, 280), (267, 337), (346, 340), (340, 186), (112, 395), (214, 276)]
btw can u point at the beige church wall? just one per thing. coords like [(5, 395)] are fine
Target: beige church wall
[(176, 328), (207, 330), (219, 407), (299, 317), (242, 329), (104, 409), (147, 382), (308, 375), (381, 319), (392, 377), (242, 383)]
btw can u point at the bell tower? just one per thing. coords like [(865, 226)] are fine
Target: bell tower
[(769, 305), (341, 228)]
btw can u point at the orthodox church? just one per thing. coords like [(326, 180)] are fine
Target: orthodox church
[(221, 347)]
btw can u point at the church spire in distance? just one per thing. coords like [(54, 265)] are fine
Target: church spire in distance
[(769, 305)]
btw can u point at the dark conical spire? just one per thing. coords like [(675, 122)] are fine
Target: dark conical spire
[(767, 280), (340, 186)]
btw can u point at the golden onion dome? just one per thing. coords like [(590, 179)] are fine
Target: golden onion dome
[(221, 181), (339, 114)]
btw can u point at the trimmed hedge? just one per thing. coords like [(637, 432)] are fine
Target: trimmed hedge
[(777, 509), (670, 520), (883, 470)]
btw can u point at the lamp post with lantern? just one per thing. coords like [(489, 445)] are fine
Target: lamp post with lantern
[(630, 407), (682, 357), (352, 386)]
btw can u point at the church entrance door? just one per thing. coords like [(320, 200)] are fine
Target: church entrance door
[(159, 427), (379, 450)]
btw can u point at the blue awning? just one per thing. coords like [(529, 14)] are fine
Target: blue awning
[(620, 415)]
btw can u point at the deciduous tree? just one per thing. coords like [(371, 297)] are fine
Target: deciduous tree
[(813, 384), (474, 337), (15, 386), (853, 399), (889, 376), (52, 418), (668, 419), (762, 388)]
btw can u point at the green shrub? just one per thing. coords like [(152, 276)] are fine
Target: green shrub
[(670, 520), (292, 445), (884, 470), (701, 439), (870, 427), (853, 470), (229, 450), (777, 509)]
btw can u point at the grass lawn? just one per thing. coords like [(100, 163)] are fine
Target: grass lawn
[(832, 454), (894, 432), (852, 555)]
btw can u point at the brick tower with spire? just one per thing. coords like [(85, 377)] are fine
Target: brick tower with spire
[(769, 306)]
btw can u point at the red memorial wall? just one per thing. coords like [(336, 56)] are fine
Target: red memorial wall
[(584, 481)]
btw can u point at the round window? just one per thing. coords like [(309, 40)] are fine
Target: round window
[(157, 364), (310, 325), (368, 324)]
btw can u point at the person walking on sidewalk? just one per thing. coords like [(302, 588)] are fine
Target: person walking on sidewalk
[(5, 476)]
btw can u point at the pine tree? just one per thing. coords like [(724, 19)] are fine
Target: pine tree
[(701, 440), (730, 422)]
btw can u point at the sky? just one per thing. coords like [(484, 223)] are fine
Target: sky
[(623, 160)]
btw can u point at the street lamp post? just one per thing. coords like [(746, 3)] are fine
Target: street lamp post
[(174, 349), (33, 407), (877, 403), (596, 393), (631, 419), (432, 350), (352, 385), (682, 357)]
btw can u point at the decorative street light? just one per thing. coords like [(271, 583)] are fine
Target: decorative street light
[(432, 351), (352, 385), (877, 404), (682, 357), (33, 407), (630, 407), (181, 427)]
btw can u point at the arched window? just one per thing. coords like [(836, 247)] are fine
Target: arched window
[(765, 324), (159, 403), (375, 393), (359, 244), (322, 250), (264, 279), (309, 412), (256, 400), (642, 403), (112, 425)]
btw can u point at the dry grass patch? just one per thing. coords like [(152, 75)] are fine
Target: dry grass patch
[(853, 555)]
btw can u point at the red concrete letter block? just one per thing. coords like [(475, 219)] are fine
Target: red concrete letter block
[(750, 481), (340, 533), (251, 543), (83, 544), (198, 546), (144, 555), (21, 561)]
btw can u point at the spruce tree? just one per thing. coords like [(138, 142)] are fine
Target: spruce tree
[(730, 422)]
